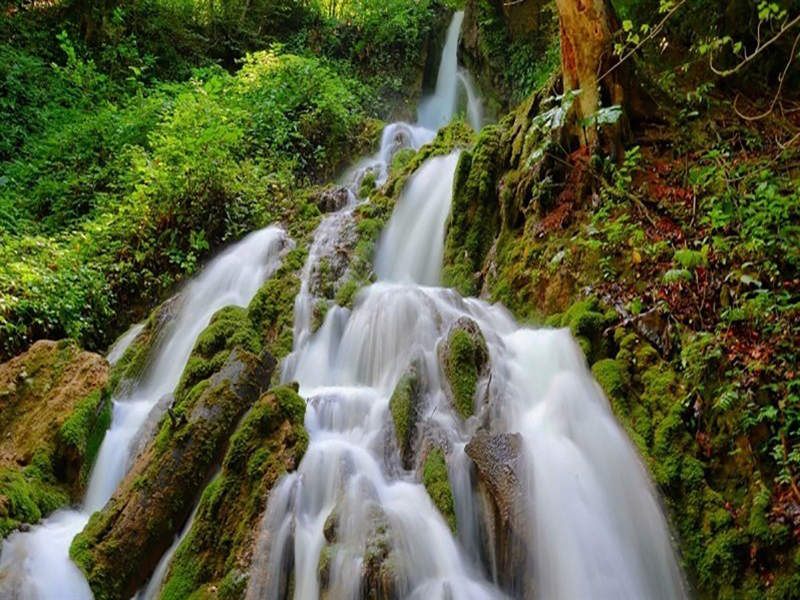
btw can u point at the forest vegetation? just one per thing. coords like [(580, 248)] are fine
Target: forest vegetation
[(638, 183)]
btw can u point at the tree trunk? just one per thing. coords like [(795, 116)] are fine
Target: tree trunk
[(587, 54)]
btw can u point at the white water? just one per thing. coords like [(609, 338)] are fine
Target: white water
[(35, 565), (412, 246), (124, 342), (592, 525), (437, 111)]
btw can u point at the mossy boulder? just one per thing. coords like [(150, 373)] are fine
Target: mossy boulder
[(135, 360), (271, 310), (379, 566), (405, 406), (216, 553), (54, 411), (612, 377), (464, 359), (122, 543), (437, 483)]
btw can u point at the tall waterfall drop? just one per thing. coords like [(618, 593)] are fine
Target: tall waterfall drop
[(36, 565)]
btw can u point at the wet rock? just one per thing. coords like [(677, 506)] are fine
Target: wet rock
[(224, 538), (54, 411), (378, 567), (331, 199), (405, 406), (464, 358), (122, 543), (135, 361), (498, 460)]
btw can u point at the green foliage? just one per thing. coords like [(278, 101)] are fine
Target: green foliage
[(435, 479), (91, 210)]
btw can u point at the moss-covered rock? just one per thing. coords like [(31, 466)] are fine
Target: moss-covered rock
[(611, 376), (54, 411), (216, 553), (437, 482), (135, 360), (474, 217), (272, 309), (122, 543), (405, 405), (464, 358), (380, 562), (588, 323)]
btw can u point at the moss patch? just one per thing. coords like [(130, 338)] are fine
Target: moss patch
[(435, 479), (463, 357)]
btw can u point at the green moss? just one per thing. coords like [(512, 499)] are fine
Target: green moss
[(269, 442), (272, 308), (461, 371), (346, 294), (435, 479), (474, 216), (27, 495), (83, 432), (588, 325), (400, 405), (610, 374), (400, 159), (367, 185)]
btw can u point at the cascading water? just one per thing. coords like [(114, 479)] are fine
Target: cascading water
[(591, 520), (436, 111), (35, 565), (413, 243)]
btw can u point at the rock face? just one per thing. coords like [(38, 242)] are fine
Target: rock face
[(122, 543), (491, 30), (218, 550), (54, 411), (464, 358), (379, 566), (331, 199), (497, 458)]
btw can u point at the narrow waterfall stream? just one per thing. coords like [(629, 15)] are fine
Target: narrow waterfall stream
[(589, 517), (36, 564)]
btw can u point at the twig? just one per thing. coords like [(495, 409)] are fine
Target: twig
[(775, 98), (759, 49), (653, 33)]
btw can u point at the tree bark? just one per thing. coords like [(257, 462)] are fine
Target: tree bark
[(587, 53)]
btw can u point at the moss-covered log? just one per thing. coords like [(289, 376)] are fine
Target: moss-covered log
[(218, 549), (122, 543)]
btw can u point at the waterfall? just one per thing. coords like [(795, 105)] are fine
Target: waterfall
[(412, 246), (590, 518), (35, 565), (437, 110)]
